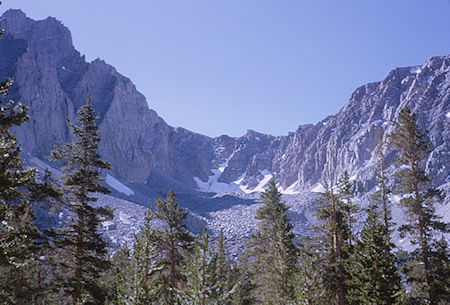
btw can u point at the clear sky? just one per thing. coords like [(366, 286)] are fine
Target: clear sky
[(225, 66)]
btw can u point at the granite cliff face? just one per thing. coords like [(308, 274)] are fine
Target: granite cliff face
[(302, 160), (53, 79)]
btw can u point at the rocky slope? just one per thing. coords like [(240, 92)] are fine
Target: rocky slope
[(53, 79), (150, 157)]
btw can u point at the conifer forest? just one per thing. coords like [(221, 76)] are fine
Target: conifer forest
[(167, 264)]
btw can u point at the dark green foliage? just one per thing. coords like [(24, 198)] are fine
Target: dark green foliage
[(136, 282), (208, 274), (80, 244), (18, 235), (226, 281), (418, 201), (271, 254), (334, 240), (47, 193), (244, 294), (346, 192), (202, 286), (173, 243), (374, 278), (121, 274), (380, 197), (441, 271), (310, 286)]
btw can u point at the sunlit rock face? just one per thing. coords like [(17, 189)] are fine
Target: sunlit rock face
[(149, 156), (53, 79)]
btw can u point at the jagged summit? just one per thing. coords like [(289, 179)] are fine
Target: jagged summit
[(150, 157), (53, 79)]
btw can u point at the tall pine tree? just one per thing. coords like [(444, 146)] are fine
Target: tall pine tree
[(310, 287), (136, 280), (346, 192), (226, 282), (202, 285), (374, 277), (335, 239), (18, 234), (418, 201), (83, 249), (174, 243), (380, 197), (271, 253)]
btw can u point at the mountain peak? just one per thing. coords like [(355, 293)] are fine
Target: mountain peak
[(14, 14), (15, 21)]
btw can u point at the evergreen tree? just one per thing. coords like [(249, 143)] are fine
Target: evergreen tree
[(18, 234), (85, 255), (136, 281), (441, 271), (201, 275), (47, 194), (374, 277), (226, 282), (335, 239), (346, 191), (310, 287), (271, 253), (122, 272), (418, 201), (381, 194), (173, 243), (244, 291)]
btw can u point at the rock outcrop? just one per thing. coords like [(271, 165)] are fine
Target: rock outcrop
[(53, 79)]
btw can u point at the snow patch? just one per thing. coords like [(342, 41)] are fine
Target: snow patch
[(262, 184), (318, 188), (290, 190), (415, 70), (118, 186), (214, 186), (447, 115)]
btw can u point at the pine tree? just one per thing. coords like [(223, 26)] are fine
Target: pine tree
[(244, 291), (381, 194), (123, 274), (374, 277), (418, 200), (18, 234), (310, 287), (346, 192), (335, 238), (47, 194), (84, 250), (136, 280), (201, 274), (271, 253), (173, 243), (441, 271), (226, 282)]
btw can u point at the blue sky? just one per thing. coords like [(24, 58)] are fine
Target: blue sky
[(222, 67)]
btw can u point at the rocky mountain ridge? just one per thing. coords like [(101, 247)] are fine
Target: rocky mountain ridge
[(53, 78), (149, 156)]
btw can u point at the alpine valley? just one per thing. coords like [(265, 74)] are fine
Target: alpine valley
[(217, 179)]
